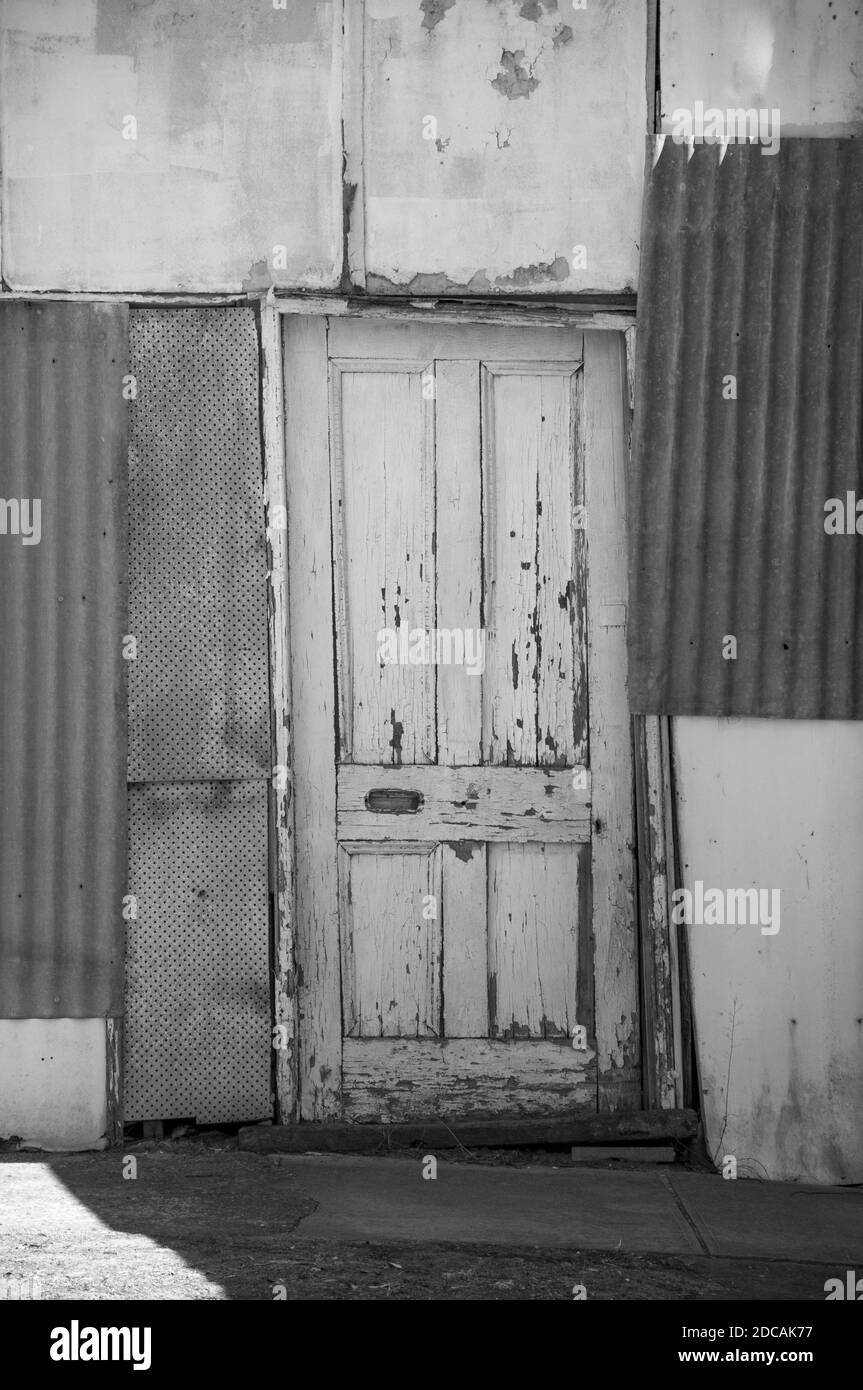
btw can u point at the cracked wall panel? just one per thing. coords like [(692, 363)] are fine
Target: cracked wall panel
[(237, 146), (537, 147)]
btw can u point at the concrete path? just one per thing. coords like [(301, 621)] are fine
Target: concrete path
[(663, 1211), (388, 1199), (777, 1221), (185, 1221)]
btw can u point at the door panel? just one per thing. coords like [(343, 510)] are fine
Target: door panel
[(391, 952), (532, 940), (465, 962), (382, 520), (446, 831), (534, 688), (458, 551)]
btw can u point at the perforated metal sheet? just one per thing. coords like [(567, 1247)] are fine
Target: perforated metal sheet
[(198, 703), (197, 1040)]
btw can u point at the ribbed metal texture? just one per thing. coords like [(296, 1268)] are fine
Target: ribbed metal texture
[(752, 268), (62, 674)]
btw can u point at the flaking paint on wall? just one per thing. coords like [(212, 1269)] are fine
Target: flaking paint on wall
[(233, 177), (434, 11), (545, 128), (523, 276), (514, 80)]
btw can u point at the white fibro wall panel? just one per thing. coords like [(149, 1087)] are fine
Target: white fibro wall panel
[(169, 145), (775, 804), (803, 59), (498, 138), (52, 1082)]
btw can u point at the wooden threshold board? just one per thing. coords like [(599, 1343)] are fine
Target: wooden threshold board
[(337, 1136)]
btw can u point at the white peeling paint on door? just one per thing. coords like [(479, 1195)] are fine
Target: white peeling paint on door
[(445, 855)]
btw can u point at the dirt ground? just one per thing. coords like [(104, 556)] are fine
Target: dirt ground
[(210, 1224)]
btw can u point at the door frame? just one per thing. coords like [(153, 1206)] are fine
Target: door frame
[(654, 954)]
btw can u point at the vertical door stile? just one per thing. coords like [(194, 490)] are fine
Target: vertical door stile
[(459, 606), (282, 890), (613, 838)]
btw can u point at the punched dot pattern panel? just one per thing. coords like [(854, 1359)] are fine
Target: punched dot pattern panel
[(197, 1042), (198, 692)]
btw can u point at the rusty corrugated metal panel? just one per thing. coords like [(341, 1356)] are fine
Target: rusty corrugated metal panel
[(62, 677), (752, 268)]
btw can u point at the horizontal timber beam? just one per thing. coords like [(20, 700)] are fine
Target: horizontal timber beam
[(614, 314), (623, 1127)]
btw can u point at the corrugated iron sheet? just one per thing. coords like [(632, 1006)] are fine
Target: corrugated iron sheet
[(752, 268), (62, 674)]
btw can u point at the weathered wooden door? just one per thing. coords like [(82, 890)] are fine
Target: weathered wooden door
[(465, 920)]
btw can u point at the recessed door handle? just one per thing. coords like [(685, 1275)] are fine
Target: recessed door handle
[(393, 801)]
